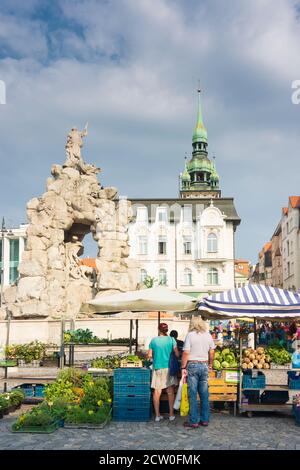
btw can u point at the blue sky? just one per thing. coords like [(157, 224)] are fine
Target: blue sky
[(130, 68)]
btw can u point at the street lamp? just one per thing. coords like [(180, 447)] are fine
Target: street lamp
[(4, 232)]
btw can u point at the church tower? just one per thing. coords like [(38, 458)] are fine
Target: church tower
[(200, 178)]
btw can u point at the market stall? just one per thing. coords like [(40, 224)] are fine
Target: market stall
[(132, 384), (263, 385)]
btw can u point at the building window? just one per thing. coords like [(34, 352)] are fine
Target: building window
[(162, 215), (187, 277), (288, 269), (162, 246), (288, 248), (142, 214), (162, 277), (143, 275), (212, 277), (212, 243), (143, 245), (187, 247), (187, 214), (13, 260)]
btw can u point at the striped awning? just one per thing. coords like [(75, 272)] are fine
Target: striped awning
[(254, 300)]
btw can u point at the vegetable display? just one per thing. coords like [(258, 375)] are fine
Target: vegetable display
[(27, 352), (278, 355), (75, 397), (113, 362), (225, 358), (256, 359)]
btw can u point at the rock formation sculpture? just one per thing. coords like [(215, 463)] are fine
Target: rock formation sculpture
[(52, 282)]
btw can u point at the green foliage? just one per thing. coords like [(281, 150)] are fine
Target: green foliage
[(278, 354), (149, 282), (97, 393), (225, 358), (38, 416), (108, 362), (16, 397), (27, 352), (4, 402), (72, 375), (86, 336), (60, 389), (78, 415)]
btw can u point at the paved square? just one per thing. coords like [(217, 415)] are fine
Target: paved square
[(268, 431)]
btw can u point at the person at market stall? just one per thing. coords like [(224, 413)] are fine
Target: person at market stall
[(197, 360), (160, 349), (174, 334)]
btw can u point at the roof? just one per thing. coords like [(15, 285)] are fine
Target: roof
[(285, 210), (294, 202), (267, 246), (91, 262), (225, 205), (242, 261)]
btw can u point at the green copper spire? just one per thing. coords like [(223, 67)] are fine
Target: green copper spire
[(200, 133)]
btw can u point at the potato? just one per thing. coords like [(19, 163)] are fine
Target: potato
[(255, 362), (258, 357), (260, 350), (247, 360), (250, 365), (262, 361), (259, 366), (252, 356), (266, 366), (244, 365), (246, 353)]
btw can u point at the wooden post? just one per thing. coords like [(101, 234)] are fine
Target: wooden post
[(136, 335), (255, 333)]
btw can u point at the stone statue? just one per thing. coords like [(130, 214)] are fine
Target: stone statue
[(74, 144), (73, 151), (73, 250)]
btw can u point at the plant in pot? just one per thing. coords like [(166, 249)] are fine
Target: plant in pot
[(16, 398), (37, 418), (4, 404)]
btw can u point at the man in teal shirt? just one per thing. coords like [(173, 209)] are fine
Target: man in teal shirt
[(160, 349)]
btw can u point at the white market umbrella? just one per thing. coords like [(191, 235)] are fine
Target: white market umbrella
[(144, 300)]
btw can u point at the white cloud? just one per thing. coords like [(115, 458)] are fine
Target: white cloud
[(130, 68)]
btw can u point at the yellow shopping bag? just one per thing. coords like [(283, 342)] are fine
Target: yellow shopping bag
[(184, 404)]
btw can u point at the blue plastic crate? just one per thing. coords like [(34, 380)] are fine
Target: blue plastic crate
[(139, 375), (39, 391), (131, 389), (27, 389), (254, 382), (131, 401), (131, 413)]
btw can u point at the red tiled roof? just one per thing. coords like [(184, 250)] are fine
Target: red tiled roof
[(285, 210), (267, 246), (91, 262), (294, 201)]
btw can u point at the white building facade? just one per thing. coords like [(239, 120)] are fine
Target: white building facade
[(12, 244), (188, 243), (290, 226)]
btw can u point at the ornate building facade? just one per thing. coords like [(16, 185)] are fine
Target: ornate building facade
[(187, 243)]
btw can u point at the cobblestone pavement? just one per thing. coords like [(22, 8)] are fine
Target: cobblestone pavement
[(269, 431)]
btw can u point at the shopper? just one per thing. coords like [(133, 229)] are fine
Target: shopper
[(174, 334), (160, 349), (197, 359)]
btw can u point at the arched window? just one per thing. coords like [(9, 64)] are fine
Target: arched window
[(212, 277), (143, 275), (187, 277), (162, 277), (212, 243)]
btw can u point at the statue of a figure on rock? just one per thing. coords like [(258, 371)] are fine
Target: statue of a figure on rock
[(73, 151)]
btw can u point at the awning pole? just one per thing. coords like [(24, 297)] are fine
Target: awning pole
[(255, 338), (130, 336), (158, 318), (136, 335)]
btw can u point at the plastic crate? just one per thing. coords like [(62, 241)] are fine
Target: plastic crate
[(132, 389), (254, 382), (39, 391), (28, 389), (132, 401), (139, 375), (131, 413), (127, 363)]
